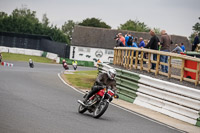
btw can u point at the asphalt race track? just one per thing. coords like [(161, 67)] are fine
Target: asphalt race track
[(35, 100)]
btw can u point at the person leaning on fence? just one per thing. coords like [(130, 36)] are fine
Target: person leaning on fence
[(196, 42), (177, 49), (153, 44), (121, 38), (142, 45), (128, 40), (165, 43), (183, 47), (118, 42)]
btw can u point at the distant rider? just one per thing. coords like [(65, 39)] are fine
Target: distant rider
[(74, 63), (0, 57), (63, 62), (103, 80), (31, 63)]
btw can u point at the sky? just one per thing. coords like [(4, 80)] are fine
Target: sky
[(175, 16)]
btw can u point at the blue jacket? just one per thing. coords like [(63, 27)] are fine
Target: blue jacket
[(142, 44), (126, 40), (183, 48), (135, 45)]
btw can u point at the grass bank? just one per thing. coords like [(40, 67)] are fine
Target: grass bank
[(21, 57), (82, 79)]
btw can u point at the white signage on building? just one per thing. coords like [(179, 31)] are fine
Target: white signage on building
[(91, 54)]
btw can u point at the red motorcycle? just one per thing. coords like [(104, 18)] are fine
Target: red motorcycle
[(98, 103)]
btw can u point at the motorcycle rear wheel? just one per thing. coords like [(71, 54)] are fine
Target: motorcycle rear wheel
[(81, 109), (100, 109)]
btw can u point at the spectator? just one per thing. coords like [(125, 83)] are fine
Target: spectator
[(135, 43), (196, 41), (183, 47), (121, 38), (153, 44), (142, 44), (177, 49), (165, 46), (128, 40), (118, 42)]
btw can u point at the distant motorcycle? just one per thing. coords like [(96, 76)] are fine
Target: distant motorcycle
[(98, 103), (74, 66), (65, 66), (31, 65)]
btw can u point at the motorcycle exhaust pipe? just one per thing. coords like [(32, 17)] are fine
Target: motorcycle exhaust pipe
[(80, 102)]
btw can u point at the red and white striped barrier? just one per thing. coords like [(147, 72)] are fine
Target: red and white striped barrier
[(6, 64)]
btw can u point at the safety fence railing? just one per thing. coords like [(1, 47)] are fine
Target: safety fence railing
[(187, 69), (174, 100)]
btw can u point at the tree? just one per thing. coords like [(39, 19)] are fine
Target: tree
[(25, 21), (68, 28), (94, 22), (45, 20), (157, 30), (134, 25), (195, 28)]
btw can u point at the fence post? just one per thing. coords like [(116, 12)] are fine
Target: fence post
[(132, 56), (197, 74), (122, 57), (157, 64), (149, 62), (128, 59), (182, 69), (141, 61), (115, 56), (136, 59), (125, 59), (169, 67)]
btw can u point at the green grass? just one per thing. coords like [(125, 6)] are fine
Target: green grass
[(82, 79), (21, 57)]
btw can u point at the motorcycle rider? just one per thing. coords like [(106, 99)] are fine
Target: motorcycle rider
[(103, 80), (31, 63), (74, 63), (64, 63), (0, 57)]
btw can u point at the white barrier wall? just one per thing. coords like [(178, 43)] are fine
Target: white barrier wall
[(52, 56), (3, 49), (30, 52)]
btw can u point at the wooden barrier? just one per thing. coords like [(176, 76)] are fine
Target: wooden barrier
[(133, 58)]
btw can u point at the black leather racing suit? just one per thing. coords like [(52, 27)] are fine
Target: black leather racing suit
[(101, 81)]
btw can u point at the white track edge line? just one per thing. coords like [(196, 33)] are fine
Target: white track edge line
[(69, 85), (130, 111)]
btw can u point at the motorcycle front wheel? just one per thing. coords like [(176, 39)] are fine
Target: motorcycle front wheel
[(100, 109), (81, 109)]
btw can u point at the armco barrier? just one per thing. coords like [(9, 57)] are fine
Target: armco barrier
[(175, 100)]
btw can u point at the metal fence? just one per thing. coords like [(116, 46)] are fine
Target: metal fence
[(36, 42)]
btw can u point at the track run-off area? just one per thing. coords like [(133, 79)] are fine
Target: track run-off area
[(37, 100)]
